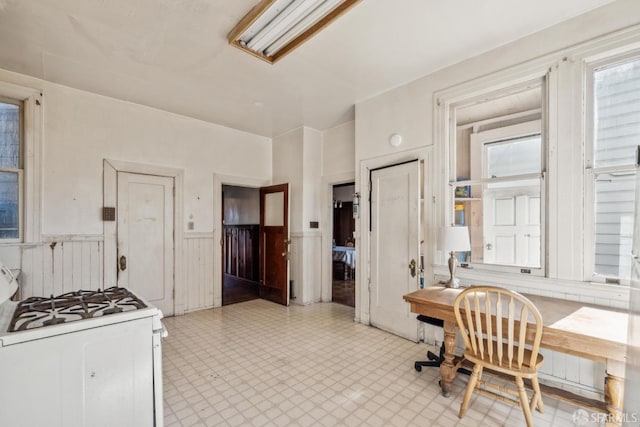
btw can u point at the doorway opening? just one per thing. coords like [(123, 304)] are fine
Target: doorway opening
[(241, 238), (343, 270)]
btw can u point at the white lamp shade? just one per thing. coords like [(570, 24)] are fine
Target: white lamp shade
[(454, 239)]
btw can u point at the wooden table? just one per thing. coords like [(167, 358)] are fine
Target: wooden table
[(584, 330)]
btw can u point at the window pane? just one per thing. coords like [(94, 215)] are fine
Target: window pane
[(9, 136), (514, 157), (615, 196), (617, 114), (9, 205)]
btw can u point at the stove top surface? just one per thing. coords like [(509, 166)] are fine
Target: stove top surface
[(36, 312)]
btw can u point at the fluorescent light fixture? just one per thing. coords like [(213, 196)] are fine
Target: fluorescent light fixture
[(273, 28)]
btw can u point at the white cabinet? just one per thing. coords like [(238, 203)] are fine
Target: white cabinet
[(94, 377)]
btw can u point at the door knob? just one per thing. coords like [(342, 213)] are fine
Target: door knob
[(123, 263), (412, 267), (489, 246)]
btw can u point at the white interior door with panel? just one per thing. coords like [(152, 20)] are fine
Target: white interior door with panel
[(395, 231), (145, 238), (512, 226)]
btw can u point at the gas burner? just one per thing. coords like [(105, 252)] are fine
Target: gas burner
[(36, 312)]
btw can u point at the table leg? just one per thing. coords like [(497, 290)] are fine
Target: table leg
[(614, 392), (449, 367)]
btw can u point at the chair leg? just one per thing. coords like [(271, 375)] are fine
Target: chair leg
[(536, 401), (471, 385), (524, 402)]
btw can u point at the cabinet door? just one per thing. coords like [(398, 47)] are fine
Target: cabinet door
[(96, 377), (118, 377)]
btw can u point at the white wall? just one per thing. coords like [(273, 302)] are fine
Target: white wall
[(297, 159), (338, 149), (80, 129), (287, 167), (409, 111), (311, 172)]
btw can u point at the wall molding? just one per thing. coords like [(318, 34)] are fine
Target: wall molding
[(199, 234), (49, 238), (111, 168), (306, 233)]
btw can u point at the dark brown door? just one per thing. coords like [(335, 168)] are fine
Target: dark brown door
[(274, 243)]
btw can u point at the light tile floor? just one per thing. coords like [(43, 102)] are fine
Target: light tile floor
[(258, 363)]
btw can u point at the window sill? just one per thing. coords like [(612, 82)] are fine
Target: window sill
[(589, 292)]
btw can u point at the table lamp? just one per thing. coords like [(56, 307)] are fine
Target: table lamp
[(453, 239)]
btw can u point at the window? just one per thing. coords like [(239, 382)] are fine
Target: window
[(614, 98), (11, 112), (497, 186)]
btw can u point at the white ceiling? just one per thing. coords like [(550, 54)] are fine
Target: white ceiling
[(174, 55)]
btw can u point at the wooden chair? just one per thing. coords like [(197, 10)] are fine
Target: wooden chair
[(502, 331)]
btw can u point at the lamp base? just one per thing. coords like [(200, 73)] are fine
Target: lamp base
[(452, 283)]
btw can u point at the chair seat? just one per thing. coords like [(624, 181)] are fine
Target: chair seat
[(526, 370)]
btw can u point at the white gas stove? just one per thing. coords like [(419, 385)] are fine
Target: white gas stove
[(84, 358)]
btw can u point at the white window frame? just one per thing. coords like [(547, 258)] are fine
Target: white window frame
[(590, 66), (19, 170), (478, 151), (533, 75), (30, 178)]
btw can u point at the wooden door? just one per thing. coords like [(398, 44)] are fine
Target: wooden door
[(145, 238), (395, 222), (274, 243)]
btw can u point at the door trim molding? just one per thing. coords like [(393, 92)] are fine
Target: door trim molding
[(328, 182), (110, 194), (363, 237), (218, 181)]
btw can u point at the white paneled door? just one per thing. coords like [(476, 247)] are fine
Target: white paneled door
[(395, 222), (511, 228), (145, 238)]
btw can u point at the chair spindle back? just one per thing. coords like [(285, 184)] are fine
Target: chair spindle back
[(497, 320)]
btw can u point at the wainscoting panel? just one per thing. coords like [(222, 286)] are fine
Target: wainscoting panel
[(198, 262), (57, 267), (240, 246)]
